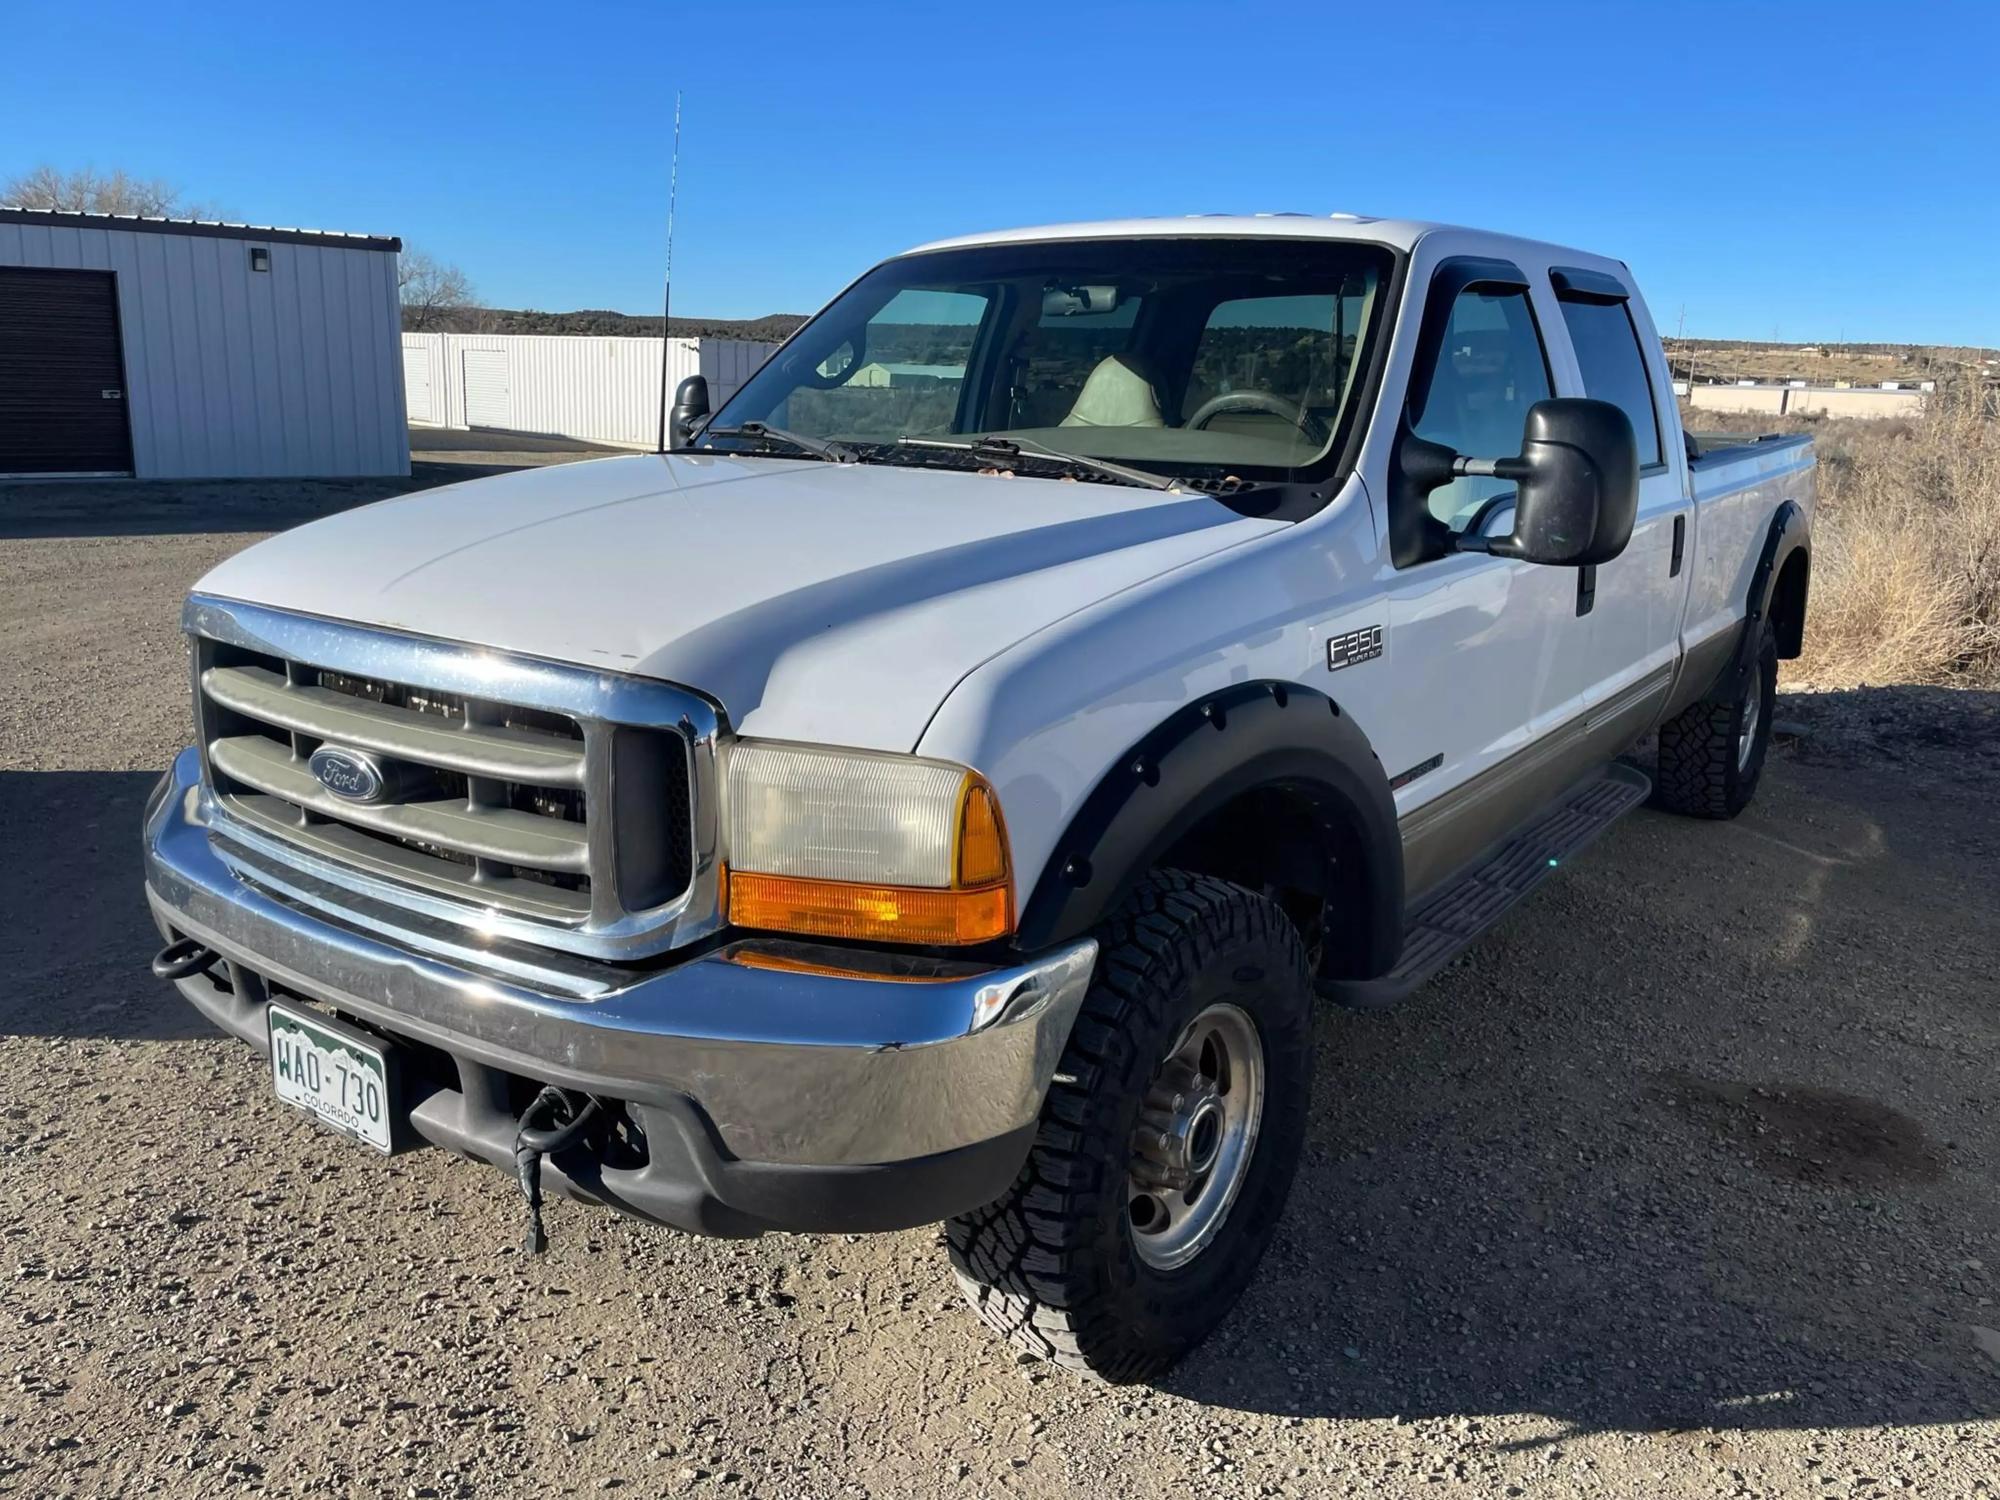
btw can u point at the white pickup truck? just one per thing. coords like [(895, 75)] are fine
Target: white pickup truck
[(940, 786)]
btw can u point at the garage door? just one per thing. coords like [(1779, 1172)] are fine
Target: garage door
[(487, 401), (62, 375)]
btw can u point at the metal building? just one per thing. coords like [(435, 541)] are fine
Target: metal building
[(174, 349)]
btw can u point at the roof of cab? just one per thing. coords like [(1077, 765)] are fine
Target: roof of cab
[(1402, 234)]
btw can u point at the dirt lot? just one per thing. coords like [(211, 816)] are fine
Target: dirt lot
[(1684, 1183)]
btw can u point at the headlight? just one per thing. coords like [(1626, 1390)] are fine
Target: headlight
[(856, 844)]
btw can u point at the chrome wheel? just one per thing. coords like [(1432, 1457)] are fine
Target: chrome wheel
[(1195, 1136), (1753, 715)]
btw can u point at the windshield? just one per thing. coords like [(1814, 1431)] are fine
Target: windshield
[(1207, 357)]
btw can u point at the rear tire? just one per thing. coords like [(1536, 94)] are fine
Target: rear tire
[(1089, 1260), (1712, 752)]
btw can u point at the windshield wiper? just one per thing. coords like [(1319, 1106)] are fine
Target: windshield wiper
[(837, 453), (1000, 452)]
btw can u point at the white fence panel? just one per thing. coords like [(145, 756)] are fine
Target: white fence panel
[(603, 390)]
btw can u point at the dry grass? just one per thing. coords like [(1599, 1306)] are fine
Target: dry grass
[(1906, 548)]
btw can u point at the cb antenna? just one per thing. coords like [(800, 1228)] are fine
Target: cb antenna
[(667, 297)]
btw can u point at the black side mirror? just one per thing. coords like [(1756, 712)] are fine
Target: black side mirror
[(1576, 485), (690, 410)]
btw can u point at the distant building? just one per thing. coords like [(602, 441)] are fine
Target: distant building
[(890, 374), (1797, 398), (176, 349)]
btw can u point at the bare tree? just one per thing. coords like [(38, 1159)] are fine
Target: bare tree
[(437, 296), (88, 191)]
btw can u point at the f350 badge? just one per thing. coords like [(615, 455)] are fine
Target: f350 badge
[(1352, 646)]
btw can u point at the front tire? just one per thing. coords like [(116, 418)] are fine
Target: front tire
[(1712, 752), (1166, 1145)]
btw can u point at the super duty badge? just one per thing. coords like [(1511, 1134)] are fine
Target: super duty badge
[(1353, 646)]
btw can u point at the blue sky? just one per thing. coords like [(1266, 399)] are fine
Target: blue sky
[(1809, 171)]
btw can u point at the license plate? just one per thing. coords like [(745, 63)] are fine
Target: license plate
[(334, 1073)]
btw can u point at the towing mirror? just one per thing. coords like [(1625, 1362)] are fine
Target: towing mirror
[(1576, 485), (690, 407)]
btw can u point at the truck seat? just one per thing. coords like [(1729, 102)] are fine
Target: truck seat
[(1120, 392)]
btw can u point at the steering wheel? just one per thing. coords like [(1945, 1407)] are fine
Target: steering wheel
[(1316, 431)]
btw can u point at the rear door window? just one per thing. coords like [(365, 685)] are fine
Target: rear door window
[(1613, 366)]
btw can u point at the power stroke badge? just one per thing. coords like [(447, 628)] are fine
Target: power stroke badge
[(1353, 646)]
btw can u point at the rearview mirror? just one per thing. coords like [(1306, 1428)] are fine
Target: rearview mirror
[(1078, 301), (1576, 485)]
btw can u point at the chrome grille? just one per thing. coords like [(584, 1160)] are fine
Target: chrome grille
[(529, 799)]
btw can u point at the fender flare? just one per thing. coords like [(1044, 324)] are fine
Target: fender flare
[(1790, 532), (1248, 736)]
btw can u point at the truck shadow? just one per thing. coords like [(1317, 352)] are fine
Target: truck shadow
[(184, 507), (36, 510), (1700, 1139), (77, 937)]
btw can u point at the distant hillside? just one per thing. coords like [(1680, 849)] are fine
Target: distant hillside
[(768, 330), (1860, 364)]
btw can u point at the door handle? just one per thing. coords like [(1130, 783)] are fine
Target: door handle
[(1586, 588), (1680, 541)]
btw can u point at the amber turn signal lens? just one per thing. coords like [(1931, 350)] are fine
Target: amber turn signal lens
[(880, 913), (982, 843)]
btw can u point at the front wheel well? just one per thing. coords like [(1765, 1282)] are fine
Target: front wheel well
[(1788, 604), (1291, 847), (1265, 784)]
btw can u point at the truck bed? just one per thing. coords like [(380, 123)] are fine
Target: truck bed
[(1708, 448)]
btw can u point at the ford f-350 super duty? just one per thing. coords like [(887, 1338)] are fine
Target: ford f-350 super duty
[(940, 786)]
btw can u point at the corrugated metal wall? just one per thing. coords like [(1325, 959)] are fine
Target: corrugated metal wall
[(231, 372), (604, 390)]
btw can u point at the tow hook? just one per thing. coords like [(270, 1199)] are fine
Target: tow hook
[(567, 1116), (183, 959)]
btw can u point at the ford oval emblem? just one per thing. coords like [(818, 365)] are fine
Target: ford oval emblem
[(354, 775)]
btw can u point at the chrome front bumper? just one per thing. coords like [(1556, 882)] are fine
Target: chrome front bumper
[(766, 1069)]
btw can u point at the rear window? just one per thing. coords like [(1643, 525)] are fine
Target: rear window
[(1297, 348), (1052, 359), (1614, 368)]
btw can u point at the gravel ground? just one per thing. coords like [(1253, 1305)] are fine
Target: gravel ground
[(1683, 1183)]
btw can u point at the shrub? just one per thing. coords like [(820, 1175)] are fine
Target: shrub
[(1906, 547)]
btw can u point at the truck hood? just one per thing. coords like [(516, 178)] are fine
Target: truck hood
[(823, 602)]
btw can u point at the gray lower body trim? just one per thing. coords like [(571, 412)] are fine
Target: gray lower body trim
[(1452, 831), (1700, 669)]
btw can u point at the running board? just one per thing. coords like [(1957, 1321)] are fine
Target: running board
[(1450, 920)]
